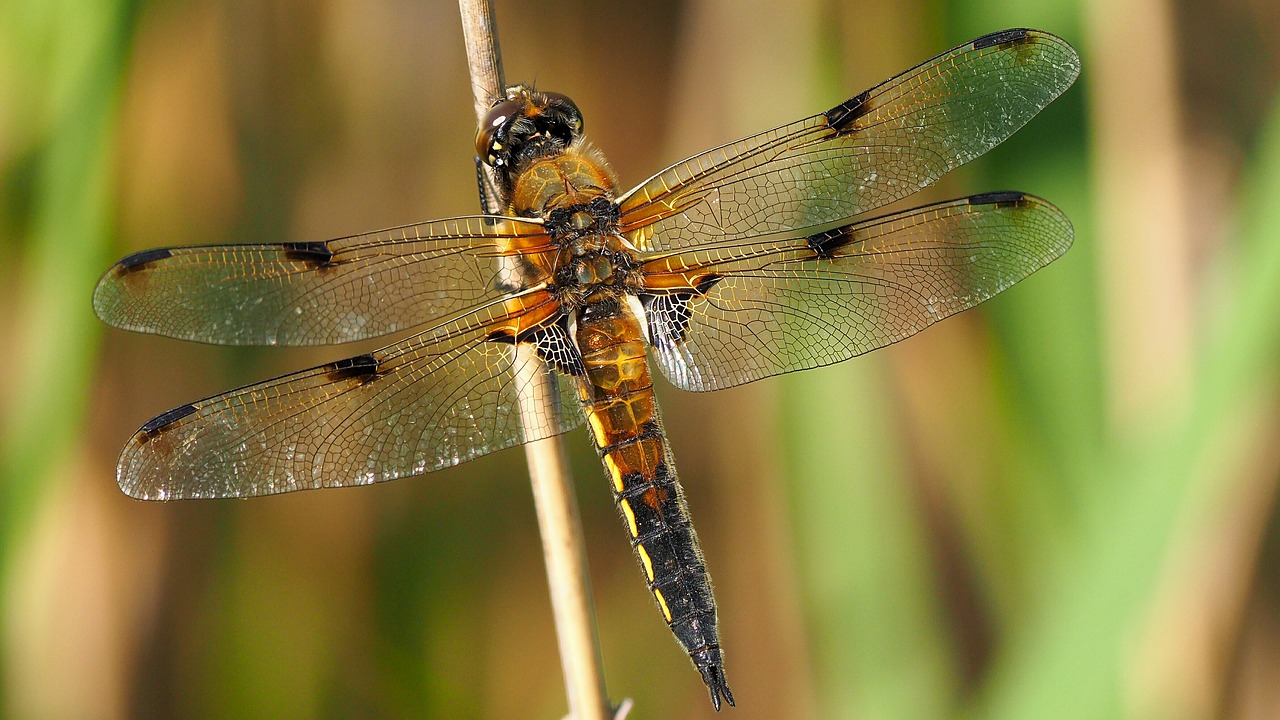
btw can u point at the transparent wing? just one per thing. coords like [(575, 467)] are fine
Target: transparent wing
[(434, 400), (312, 293), (876, 148), (774, 306)]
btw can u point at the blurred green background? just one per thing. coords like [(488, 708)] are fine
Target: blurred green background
[(1060, 505)]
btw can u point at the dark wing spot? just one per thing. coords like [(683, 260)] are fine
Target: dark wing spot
[(157, 424), (139, 260), (1000, 198), (501, 336), (315, 254), (840, 117), (825, 244), (1000, 38), (363, 368)]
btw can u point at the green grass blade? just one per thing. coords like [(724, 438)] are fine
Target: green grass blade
[(76, 51), (1073, 664)]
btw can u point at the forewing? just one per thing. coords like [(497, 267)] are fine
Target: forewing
[(432, 401), (774, 306), (312, 293), (878, 147)]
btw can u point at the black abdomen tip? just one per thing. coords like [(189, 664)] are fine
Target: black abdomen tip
[(710, 664)]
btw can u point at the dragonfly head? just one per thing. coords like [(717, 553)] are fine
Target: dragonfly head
[(525, 125)]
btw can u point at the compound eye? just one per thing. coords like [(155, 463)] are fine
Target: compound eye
[(495, 120), (563, 103)]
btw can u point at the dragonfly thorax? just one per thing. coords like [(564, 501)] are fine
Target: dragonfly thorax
[(606, 270), (580, 227), (592, 269), (569, 180)]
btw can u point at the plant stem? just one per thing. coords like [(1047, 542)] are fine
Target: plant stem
[(558, 522)]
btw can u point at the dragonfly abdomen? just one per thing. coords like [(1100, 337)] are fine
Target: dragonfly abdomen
[(617, 395)]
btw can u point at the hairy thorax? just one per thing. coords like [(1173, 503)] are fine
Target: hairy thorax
[(574, 177), (573, 193)]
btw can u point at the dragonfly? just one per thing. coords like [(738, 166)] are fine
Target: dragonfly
[(763, 256)]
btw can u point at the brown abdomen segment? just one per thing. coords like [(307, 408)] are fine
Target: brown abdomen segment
[(617, 395)]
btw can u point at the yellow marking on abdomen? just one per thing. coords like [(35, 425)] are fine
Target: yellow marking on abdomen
[(644, 558), (597, 427), (662, 602), (631, 517), (615, 472)]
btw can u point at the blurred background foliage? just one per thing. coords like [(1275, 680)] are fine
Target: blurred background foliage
[(1060, 505)]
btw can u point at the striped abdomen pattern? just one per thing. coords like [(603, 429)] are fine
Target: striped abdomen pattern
[(617, 395)]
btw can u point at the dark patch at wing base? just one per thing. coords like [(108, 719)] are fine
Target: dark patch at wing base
[(706, 282), (668, 317), (556, 348), (552, 344), (668, 314)]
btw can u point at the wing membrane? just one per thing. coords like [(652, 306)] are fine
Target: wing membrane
[(876, 148), (789, 304), (432, 401), (316, 293)]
